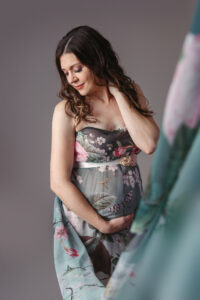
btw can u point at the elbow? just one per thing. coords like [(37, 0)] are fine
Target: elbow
[(56, 186), (53, 184), (53, 187), (150, 149)]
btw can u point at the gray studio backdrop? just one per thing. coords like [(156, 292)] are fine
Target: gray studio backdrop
[(147, 35)]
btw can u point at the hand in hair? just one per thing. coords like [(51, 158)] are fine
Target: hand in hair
[(113, 89)]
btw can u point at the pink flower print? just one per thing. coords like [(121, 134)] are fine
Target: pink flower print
[(102, 168), (100, 140), (185, 85), (119, 150), (80, 153), (115, 208), (61, 232), (103, 151), (79, 178), (72, 252), (132, 274), (136, 150), (125, 178), (197, 38), (129, 196), (75, 220), (113, 168), (129, 179)]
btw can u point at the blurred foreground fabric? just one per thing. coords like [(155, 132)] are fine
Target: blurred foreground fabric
[(162, 260)]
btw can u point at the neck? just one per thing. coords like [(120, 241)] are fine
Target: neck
[(101, 94)]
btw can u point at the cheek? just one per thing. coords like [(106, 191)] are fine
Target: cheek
[(88, 75), (83, 76)]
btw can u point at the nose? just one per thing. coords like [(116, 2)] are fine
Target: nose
[(72, 78)]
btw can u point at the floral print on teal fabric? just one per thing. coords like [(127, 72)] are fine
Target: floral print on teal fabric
[(84, 257)]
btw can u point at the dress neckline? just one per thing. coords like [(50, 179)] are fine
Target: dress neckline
[(101, 129)]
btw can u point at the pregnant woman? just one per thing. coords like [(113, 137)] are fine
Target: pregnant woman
[(100, 125)]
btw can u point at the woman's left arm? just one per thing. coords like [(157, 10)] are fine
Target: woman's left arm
[(143, 130)]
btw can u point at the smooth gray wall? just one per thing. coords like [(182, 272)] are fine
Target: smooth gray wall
[(148, 37)]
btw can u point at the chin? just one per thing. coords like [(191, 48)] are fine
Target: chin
[(82, 93), (85, 91)]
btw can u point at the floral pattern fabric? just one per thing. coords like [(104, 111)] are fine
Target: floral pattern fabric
[(84, 257), (162, 260)]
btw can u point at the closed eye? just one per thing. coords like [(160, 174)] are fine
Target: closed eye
[(76, 71), (79, 70)]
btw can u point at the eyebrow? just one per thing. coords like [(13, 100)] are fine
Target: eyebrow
[(71, 66)]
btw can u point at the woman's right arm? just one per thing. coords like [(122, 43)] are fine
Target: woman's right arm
[(61, 164)]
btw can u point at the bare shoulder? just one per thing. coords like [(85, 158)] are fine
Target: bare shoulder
[(62, 104), (60, 116), (62, 145), (61, 108)]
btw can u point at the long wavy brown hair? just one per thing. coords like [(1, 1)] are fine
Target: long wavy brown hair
[(94, 51)]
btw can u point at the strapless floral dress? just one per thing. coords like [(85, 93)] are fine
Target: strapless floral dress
[(84, 257)]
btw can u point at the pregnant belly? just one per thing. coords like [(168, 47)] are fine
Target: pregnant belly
[(112, 192)]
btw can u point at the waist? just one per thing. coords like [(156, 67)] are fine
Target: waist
[(129, 160)]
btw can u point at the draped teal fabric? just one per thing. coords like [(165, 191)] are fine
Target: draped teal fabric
[(84, 257), (162, 260)]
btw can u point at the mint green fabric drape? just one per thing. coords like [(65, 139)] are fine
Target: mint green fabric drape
[(84, 257), (162, 260)]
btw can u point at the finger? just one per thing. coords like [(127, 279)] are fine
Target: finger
[(130, 217), (130, 214)]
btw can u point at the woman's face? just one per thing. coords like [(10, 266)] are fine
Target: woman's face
[(77, 74)]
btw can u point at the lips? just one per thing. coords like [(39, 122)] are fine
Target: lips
[(79, 86)]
